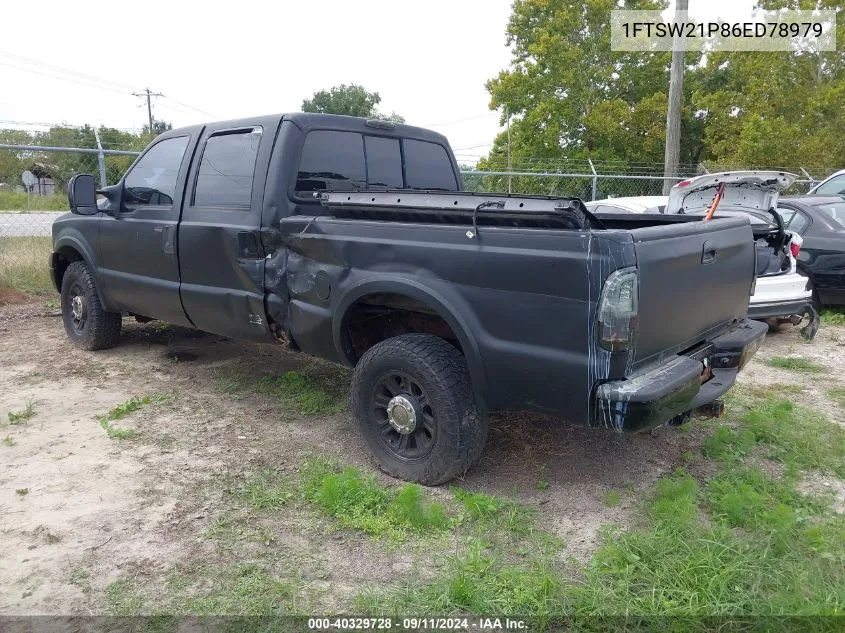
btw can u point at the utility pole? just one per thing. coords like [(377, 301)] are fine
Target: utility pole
[(676, 93), (509, 150), (146, 94)]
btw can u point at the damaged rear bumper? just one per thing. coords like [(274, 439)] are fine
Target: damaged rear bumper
[(685, 382)]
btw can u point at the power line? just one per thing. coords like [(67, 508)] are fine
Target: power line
[(35, 62), (148, 96)]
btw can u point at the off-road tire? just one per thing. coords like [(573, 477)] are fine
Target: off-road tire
[(441, 372), (99, 329)]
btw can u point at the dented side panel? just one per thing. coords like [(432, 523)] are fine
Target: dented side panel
[(521, 301)]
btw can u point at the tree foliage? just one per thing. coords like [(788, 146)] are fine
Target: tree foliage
[(351, 100), (60, 166), (570, 97)]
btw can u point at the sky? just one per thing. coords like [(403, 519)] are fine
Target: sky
[(428, 60)]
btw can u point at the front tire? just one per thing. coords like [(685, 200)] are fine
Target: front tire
[(413, 401), (87, 324)]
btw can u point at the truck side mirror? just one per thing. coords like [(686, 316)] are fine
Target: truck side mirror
[(82, 195)]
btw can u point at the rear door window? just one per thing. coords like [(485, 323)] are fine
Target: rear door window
[(384, 162), (227, 168), (331, 160), (427, 166)]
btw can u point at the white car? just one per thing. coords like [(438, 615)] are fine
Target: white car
[(780, 293), (833, 185)]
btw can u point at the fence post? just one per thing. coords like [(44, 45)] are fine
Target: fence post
[(101, 159), (595, 179)]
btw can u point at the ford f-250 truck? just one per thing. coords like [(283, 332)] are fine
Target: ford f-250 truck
[(351, 240)]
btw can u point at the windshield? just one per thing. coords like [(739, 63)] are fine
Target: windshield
[(835, 211)]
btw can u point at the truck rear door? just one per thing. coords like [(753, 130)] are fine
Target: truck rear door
[(221, 259), (694, 281)]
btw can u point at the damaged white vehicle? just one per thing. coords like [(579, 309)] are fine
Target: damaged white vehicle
[(779, 294)]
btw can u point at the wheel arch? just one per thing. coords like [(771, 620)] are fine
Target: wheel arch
[(66, 250), (426, 296)]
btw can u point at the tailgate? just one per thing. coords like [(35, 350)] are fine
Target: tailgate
[(695, 280)]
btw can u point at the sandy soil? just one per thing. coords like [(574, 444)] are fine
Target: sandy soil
[(79, 510)]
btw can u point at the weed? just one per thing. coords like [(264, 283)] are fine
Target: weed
[(22, 492), (9, 440), (796, 363), (542, 484), (16, 417), (833, 316), (612, 498), (358, 501), (122, 410)]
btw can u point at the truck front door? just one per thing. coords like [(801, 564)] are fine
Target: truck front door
[(221, 258), (137, 244)]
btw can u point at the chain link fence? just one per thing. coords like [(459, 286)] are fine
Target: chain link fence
[(29, 207)]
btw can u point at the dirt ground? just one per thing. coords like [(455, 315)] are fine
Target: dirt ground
[(79, 510)]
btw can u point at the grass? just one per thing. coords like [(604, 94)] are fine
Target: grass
[(23, 268), (837, 395), (249, 590), (265, 490), (315, 390), (124, 409), (22, 492), (359, 502), (833, 316), (612, 498), (16, 417), (796, 363), (475, 582), (14, 201), (796, 436), (8, 441)]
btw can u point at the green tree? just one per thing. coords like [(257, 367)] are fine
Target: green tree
[(569, 95), (351, 100), (784, 109)]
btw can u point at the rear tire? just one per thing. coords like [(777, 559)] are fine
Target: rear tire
[(413, 401), (87, 324)]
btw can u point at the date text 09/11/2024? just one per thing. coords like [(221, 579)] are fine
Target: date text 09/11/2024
[(415, 624)]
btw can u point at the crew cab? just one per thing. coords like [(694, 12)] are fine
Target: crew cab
[(351, 240), (780, 293)]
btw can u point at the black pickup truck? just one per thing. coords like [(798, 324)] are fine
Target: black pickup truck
[(351, 240)]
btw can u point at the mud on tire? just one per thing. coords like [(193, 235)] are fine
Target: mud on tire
[(87, 324), (413, 401)]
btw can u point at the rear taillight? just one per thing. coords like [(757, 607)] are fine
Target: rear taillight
[(618, 309), (794, 248)]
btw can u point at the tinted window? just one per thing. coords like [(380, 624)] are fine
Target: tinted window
[(427, 166), (331, 160), (226, 171), (384, 162), (833, 187), (152, 181)]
